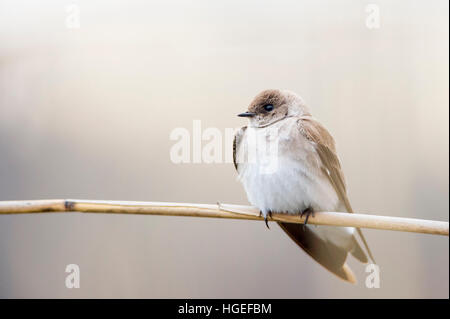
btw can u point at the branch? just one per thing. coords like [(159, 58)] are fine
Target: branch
[(221, 211)]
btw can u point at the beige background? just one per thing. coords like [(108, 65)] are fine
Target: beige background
[(87, 113)]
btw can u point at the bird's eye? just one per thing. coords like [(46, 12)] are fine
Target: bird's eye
[(268, 107)]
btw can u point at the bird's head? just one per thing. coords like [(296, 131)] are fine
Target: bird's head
[(271, 106)]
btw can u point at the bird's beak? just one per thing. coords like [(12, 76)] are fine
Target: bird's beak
[(247, 114)]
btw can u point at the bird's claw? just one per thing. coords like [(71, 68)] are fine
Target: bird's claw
[(308, 212), (266, 219)]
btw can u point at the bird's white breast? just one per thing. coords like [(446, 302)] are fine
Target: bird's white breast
[(285, 178), (288, 178)]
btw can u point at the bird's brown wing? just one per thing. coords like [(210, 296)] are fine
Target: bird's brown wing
[(325, 148), (325, 253)]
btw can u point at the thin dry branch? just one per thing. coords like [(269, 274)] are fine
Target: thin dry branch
[(221, 211)]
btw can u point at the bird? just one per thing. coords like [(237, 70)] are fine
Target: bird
[(287, 163)]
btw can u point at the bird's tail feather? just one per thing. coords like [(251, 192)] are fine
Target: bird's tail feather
[(365, 245), (325, 253), (358, 252)]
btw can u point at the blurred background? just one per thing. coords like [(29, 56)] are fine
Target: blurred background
[(90, 91)]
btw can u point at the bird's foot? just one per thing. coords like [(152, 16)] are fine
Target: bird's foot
[(308, 212), (266, 220)]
